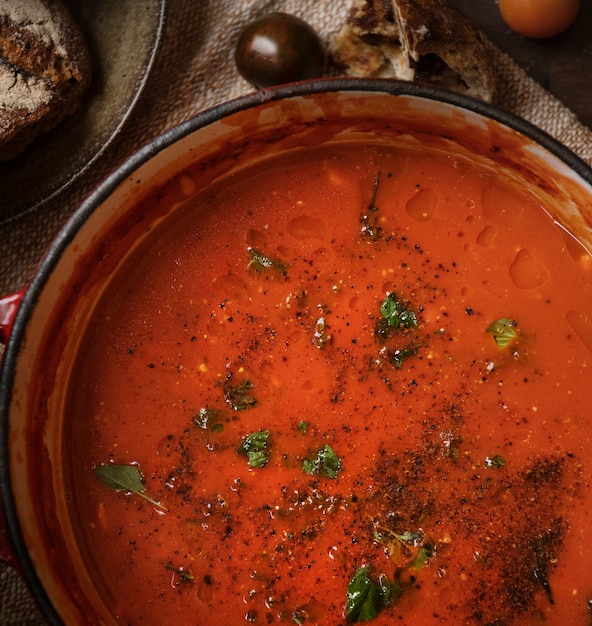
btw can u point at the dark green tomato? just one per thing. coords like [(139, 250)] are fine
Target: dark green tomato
[(279, 48)]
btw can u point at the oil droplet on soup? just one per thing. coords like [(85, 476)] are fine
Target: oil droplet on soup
[(366, 394), (526, 272), (306, 227), (485, 237), (423, 205), (582, 326), (501, 204)]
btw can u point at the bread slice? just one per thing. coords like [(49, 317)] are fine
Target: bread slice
[(422, 40), (45, 70)]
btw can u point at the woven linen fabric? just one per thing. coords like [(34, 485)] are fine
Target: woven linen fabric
[(194, 71)]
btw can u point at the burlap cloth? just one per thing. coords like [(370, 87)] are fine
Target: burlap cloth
[(194, 71)]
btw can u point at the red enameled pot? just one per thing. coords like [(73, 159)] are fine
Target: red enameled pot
[(40, 325)]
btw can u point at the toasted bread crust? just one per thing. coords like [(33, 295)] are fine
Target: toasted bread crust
[(434, 27), (424, 40), (44, 70)]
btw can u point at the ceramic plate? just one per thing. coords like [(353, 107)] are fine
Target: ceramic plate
[(123, 37)]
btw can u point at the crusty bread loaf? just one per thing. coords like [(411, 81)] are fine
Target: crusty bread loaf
[(423, 40), (44, 70)]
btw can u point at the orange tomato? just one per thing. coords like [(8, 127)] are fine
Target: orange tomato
[(539, 19)]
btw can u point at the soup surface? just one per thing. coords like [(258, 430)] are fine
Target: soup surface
[(354, 382)]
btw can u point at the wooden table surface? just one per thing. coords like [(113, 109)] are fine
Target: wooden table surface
[(562, 64)]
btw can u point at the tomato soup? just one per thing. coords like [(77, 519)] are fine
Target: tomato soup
[(349, 383)]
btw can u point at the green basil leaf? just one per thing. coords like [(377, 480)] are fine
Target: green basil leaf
[(260, 262), (496, 461), (424, 554), (397, 313), (370, 220), (124, 478), (503, 331), (255, 448), (366, 598), (239, 396), (209, 419), (413, 537), (184, 575), (399, 355), (326, 463)]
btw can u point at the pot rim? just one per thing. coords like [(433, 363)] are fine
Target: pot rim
[(107, 187)]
